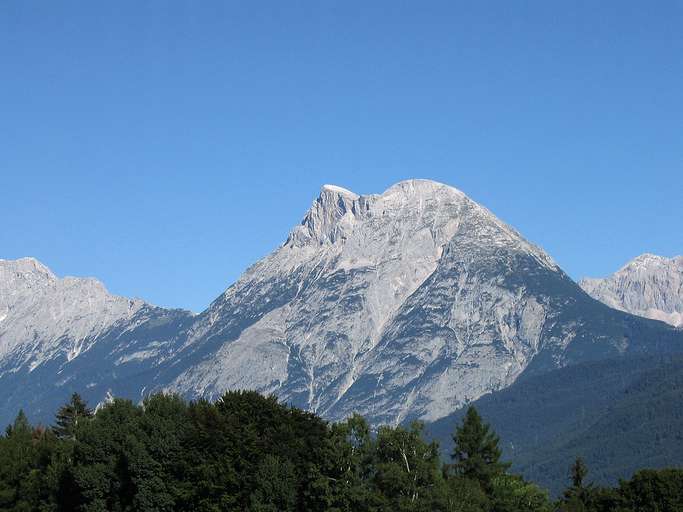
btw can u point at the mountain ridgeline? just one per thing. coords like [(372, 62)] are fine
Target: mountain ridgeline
[(403, 305)]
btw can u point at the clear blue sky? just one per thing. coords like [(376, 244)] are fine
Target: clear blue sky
[(165, 146)]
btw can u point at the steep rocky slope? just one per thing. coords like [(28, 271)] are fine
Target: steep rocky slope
[(42, 316), (649, 286), (70, 334)]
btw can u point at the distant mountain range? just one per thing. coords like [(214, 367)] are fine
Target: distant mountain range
[(403, 305)]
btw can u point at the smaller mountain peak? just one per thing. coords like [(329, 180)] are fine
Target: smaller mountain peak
[(334, 189), (648, 256), (330, 217), (26, 265), (649, 285), (646, 260), (421, 186)]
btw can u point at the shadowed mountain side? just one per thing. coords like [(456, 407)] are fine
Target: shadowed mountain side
[(619, 415)]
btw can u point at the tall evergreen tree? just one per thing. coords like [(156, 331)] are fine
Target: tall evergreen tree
[(17, 454), (20, 426), (577, 495), (476, 453), (69, 415), (579, 470)]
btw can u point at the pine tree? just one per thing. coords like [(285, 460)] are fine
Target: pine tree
[(69, 415), (20, 426), (17, 457), (576, 497), (476, 453), (579, 471)]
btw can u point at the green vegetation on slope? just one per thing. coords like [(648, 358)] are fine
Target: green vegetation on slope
[(246, 452), (618, 415)]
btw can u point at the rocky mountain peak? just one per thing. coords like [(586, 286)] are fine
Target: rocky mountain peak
[(330, 218), (337, 212), (23, 269), (649, 286), (37, 309), (647, 262), (416, 188), (334, 191)]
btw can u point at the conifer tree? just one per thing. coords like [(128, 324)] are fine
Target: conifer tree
[(69, 415), (17, 455), (578, 473), (476, 453), (20, 426), (576, 497)]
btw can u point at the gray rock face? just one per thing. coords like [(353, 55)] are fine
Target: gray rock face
[(402, 305), (42, 317), (649, 286), (63, 335)]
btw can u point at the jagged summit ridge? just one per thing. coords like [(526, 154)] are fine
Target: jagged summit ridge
[(649, 285), (337, 212), (647, 261), (335, 189), (23, 268)]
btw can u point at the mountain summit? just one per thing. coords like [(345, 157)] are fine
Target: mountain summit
[(401, 305)]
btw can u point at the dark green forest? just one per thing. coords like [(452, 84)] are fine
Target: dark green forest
[(247, 452), (634, 421)]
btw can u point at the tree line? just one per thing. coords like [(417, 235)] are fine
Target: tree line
[(248, 452)]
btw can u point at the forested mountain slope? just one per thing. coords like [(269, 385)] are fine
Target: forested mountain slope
[(618, 415)]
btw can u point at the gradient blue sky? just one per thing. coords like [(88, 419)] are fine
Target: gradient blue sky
[(165, 146)]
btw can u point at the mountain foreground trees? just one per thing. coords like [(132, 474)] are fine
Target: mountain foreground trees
[(247, 452)]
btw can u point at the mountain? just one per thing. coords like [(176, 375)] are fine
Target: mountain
[(401, 305), (63, 335), (546, 421), (649, 286), (369, 306)]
